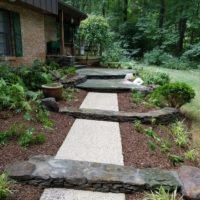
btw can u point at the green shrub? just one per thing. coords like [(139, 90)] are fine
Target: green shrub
[(156, 78), (138, 126), (137, 97), (175, 159), (180, 133), (175, 94), (165, 146), (69, 94), (191, 155), (13, 96), (156, 57), (28, 138), (178, 63), (193, 53), (162, 194), (5, 186)]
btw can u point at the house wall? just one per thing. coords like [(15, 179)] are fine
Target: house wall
[(33, 34)]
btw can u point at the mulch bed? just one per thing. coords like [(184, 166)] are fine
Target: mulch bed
[(12, 152), (136, 150), (129, 105)]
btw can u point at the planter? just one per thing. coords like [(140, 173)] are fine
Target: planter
[(53, 90), (92, 60)]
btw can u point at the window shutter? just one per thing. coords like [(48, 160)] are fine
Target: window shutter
[(17, 34)]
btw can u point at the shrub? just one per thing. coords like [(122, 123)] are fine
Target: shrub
[(156, 78), (162, 194), (28, 138), (178, 63), (13, 96), (175, 94), (5, 186), (137, 97), (193, 53), (138, 126), (191, 155), (175, 159), (156, 57), (180, 133)]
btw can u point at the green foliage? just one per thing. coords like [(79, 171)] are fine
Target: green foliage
[(180, 133), (69, 71), (156, 57), (28, 138), (191, 155), (69, 94), (175, 159), (42, 116), (175, 94), (5, 186), (138, 126), (34, 76), (156, 78), (151, 145), (137, 97), (162, 194), (165, 146), (193, 53), (13, 96), (94, 31)]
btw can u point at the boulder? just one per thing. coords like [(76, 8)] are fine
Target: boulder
[(50, 104), (190, 178)]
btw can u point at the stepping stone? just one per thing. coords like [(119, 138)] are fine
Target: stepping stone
[(104, 73), (63, 194), (111, 85), (101, 101)]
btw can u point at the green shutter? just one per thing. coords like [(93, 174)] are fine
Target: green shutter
[(17, 34)]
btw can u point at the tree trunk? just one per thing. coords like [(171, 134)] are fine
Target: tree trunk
[(182, 26), (161, 19), (125, 10)]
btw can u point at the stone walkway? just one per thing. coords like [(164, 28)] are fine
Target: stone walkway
[(94, 141)]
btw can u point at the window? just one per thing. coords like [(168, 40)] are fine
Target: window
[(10, 34)]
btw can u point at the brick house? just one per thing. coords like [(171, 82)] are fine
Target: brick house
[(31, 29)]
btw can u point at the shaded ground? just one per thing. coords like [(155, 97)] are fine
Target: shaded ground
[(12, 152)]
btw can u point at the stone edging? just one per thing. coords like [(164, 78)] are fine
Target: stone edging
[(45, 171), (162, 116)]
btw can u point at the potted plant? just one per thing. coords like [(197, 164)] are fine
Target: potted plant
[(93, 34), (53, 90)]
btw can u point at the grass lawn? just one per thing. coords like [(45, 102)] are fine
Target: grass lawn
[(191, 77)]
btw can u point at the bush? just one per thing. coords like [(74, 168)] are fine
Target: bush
[(180, 133), (28, 138), (34, 76), (156, 57), (178, 63), (156, 78), (13, 96), (175, 94), (193, 53), (5, 186)]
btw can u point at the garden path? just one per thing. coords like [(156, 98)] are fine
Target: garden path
[(91, 140)]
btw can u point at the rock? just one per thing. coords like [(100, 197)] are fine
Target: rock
[(49, 172), (73, 81), (50, 104), (162, 116), (190, 178)]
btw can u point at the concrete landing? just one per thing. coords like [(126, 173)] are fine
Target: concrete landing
[(94, 141)]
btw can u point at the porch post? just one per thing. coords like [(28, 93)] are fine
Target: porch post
[(62, 45)]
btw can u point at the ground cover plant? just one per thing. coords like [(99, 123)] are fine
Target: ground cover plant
[(5, 186)]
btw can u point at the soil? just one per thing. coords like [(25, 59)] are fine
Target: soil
[(136, 150), (130, 106), (55, 136)]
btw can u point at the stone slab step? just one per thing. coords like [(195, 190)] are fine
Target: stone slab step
[(105, 73), (45, 171), (162, 116)]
